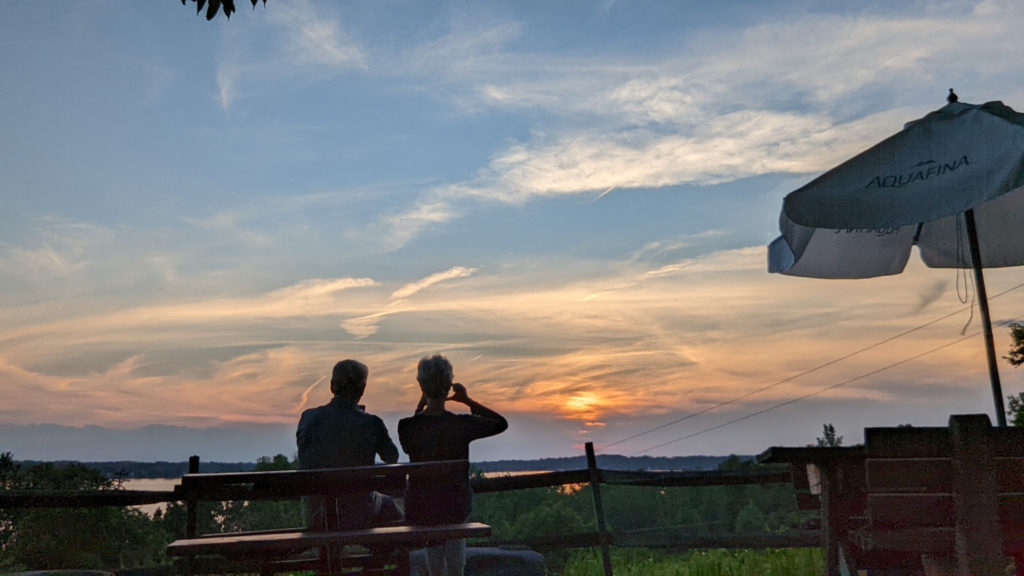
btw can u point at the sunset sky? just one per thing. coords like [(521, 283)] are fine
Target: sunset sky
[(571, 200)]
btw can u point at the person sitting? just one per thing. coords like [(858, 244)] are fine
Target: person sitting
[(342, 434), (433, 433)]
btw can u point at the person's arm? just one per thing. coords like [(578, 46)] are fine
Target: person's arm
[(496, 422)]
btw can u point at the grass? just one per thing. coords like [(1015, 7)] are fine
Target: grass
[(648, 562)]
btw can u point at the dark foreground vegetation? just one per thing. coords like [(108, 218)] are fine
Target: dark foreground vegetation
[(115, 538)]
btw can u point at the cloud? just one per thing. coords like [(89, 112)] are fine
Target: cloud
[(662, 339), (61, 247), (299, 40), (363, 326), (449, 274), (732, 105), (314, 291), (369, 324), (314, 40), (427, 214)]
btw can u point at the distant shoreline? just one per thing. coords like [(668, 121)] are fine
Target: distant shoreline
[(130, 470)]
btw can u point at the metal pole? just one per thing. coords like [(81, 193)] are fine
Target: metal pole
[(602, 528), (990, 346)]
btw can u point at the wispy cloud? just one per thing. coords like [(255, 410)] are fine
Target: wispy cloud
[(367, 325), (300, 40), (677, 122), (312, 38), (723, 110), (61, 247), (449, 274), (660, 339), (431, 211)]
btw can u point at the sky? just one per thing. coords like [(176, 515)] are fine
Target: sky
[(570, 200)]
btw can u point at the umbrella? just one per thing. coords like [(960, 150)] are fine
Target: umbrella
[(951, 183)]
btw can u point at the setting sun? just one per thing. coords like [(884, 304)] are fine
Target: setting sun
[(583, 406)]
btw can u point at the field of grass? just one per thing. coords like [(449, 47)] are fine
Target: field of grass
[(646, 562)]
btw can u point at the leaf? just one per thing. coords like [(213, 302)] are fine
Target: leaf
[(199, 5)]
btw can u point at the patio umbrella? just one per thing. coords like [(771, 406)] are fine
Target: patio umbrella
[(951, 183)]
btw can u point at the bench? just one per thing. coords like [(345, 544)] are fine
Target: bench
[(946, 500), (383, 549)]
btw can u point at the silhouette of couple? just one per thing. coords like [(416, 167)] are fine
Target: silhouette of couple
[(342, 434)]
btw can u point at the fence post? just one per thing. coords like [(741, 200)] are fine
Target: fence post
[(191, 505), (602, 528), (192, 516)]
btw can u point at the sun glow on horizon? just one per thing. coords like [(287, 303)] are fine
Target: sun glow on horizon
[(584, 406)]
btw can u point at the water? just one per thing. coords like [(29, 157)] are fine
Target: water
[(167, 484), (154, 484)]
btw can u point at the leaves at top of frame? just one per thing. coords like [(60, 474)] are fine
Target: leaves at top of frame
[(212, 6)]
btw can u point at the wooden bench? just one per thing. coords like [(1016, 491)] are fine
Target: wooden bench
[(946, 500), (383, 549)]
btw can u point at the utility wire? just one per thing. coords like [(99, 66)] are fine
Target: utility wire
[(804, 373), (815, 393)]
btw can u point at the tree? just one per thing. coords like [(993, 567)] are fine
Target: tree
[(830, 439), (263, 515), (105, 537), (1016, 357), (10, 474), (54, 538), (226, 6), (1015, 407)]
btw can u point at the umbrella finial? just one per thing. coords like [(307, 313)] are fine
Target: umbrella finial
[(952, 97)]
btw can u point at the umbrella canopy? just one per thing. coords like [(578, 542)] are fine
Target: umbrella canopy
[(951, 182), (861, 218)]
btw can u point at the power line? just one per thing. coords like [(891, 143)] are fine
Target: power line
[(804, 373), (815, 393)]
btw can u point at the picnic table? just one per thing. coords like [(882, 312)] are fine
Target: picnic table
[(380, 549)]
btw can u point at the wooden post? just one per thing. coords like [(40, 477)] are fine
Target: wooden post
[(831, 518), (602, 528), (191, 516), (191, 505), (979, 540)]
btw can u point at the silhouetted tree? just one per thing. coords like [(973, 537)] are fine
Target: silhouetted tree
[(830, 439), (1015, 409), (266, 514), (1016, 357), (226, 6)]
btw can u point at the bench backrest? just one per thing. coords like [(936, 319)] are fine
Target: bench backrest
[(914, 477), (287, 484)]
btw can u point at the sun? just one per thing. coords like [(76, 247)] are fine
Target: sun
[(582, 406)]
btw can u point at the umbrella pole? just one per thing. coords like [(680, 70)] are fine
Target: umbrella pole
[(990, 347)]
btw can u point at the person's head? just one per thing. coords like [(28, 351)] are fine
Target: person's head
[(435, 376), (348, 380)]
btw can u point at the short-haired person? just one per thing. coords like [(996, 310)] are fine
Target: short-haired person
[(341, 434), (433, 433)]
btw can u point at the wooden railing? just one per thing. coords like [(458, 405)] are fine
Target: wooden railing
[(591, 476)]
